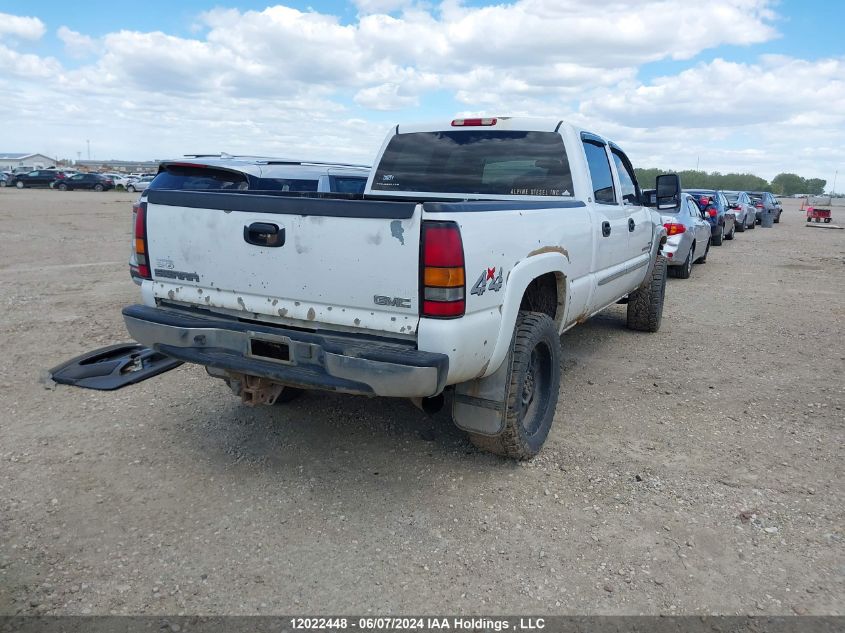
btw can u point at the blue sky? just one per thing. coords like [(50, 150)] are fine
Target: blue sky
[(737, 81)]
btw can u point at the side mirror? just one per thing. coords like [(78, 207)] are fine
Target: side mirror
[(649, 197), (668, 191)]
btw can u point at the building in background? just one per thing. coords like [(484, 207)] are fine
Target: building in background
[(13, 161)]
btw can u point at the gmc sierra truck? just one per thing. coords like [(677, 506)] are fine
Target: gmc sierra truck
[(475, 244)]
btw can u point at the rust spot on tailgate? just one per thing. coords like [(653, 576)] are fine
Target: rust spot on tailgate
[(550, 249)]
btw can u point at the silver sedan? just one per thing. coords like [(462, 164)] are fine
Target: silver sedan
[(688, 240), (740, 203)]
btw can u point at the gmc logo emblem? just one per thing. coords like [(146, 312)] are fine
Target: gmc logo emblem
[(393, 302)]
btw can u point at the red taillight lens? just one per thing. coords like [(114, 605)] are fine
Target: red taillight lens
[(759, 205), (712, 212), (673, 228), (142, 256), (443, 278), (472, 122)]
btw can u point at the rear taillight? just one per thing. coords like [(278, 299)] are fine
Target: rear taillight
[(443, 281), (759, 205), (704, 200), (673, 228), (472, 122), (712, 212), (142, 256)]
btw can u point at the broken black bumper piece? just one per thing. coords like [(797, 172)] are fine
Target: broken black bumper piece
[(113, 367)]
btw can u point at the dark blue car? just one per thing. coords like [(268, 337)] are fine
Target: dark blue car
[(718, 213)]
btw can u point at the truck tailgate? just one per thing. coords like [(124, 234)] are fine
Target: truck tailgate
[(352, 263)]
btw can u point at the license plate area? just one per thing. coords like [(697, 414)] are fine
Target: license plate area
[(276, 349)]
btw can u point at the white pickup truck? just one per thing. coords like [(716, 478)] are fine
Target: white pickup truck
[(473, 247)]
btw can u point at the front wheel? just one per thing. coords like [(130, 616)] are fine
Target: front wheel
[(61, 186), (2, 183), (534, 383), (130, 189), (19, 184), (645, 304)]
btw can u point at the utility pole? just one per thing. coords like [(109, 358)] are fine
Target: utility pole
[(697, 159), (89, 148), (833, 189)]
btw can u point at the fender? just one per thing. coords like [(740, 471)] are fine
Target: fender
[(519, 277)]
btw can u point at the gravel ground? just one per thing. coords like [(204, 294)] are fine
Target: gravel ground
[(695, 471)]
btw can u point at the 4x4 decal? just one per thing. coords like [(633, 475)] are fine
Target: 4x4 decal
[(488, 275)]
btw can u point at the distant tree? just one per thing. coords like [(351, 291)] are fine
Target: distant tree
[(696, 179), (786, 184), (815, 186)]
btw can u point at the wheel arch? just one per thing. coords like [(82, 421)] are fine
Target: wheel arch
[(528, 286)]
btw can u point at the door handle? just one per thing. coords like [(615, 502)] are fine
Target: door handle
[(631, 225), (264, 234), (605, 229)]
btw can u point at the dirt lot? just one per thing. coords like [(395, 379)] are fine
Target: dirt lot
[(699, 470)]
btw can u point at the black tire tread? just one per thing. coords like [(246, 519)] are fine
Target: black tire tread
[(512, 442), (645, 304)]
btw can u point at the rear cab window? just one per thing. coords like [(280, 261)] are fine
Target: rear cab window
[(486, 162)]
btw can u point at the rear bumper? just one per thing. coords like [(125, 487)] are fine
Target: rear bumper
[(334, 362)]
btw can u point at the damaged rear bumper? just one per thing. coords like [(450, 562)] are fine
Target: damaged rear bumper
[(331, 361)]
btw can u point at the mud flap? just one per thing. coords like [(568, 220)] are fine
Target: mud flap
[(113, 367), (479, 406)]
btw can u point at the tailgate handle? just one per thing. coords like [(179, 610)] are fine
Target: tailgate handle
[(264, 234)]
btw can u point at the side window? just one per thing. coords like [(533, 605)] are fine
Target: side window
[(724, 200), (603, 191), (694, 210), (627, 179)]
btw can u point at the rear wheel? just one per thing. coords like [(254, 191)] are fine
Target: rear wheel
[(684, 270), (98, 187), (19, 184), (703, 258), (61, 186), (645, 304), (2, 183), (533, 389), (130, 188), (826, 220)]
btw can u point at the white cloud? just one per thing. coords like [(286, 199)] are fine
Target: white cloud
[(27, 28), (296, 82), (77, 44)]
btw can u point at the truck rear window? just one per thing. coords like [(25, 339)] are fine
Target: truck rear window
[(476, 161)]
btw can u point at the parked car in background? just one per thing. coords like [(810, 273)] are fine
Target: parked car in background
[(4, 179), (765, 202), (139, 184), (37, 178), (743, 209), (717, 212), (119, 180), (239, 173), (95, 182), (688, 236)]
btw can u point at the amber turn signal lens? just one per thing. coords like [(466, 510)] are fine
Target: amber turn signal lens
[(444, 277)]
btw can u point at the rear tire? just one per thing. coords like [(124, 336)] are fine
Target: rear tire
[(684, 270), (98, 187), (130, 189), (533, 390), (19, 184), (61, 186), (645, 304)]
